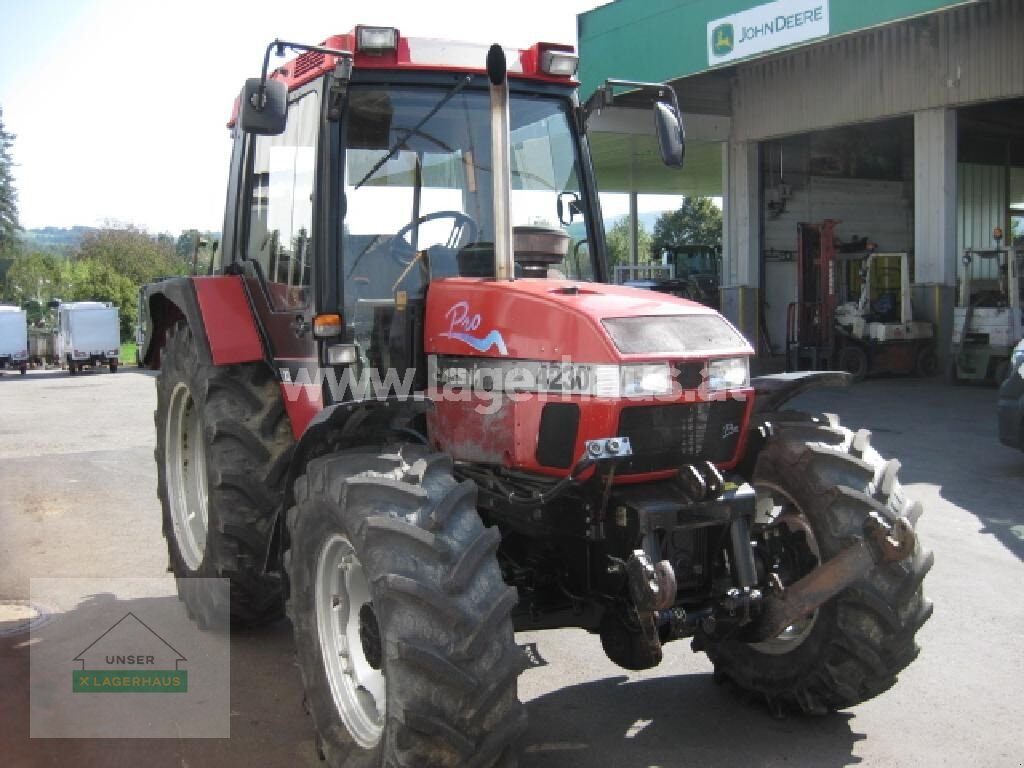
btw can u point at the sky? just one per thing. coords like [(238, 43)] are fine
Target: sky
[(120, 106)]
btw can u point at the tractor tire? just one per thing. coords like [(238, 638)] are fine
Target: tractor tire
[(854, 360), (229, 423), (393, 577), (827, 481)]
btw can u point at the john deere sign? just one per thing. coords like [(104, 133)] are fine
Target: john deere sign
[(768, 26)]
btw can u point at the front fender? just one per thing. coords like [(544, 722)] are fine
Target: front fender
[(775, 390)]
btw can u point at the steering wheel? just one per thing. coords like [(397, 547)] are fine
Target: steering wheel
[(401, 249)]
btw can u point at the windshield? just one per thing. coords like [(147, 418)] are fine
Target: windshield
[(418, 188)]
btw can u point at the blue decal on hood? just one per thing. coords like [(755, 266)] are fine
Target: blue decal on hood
[(462, 324)]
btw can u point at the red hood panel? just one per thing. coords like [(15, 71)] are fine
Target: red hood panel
[(540, 319)]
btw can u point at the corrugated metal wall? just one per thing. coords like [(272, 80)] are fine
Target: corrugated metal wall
[(981, 207), (969, 54)]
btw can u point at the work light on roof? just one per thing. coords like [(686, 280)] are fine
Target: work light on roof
[(376, 39), (559, 63)]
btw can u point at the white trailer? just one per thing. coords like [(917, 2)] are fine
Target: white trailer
[(88, 333), (13, 338)]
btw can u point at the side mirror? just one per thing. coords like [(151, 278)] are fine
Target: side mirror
[(668, 124), (263, 107)]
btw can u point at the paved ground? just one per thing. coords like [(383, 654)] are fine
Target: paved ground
[(77, 499)]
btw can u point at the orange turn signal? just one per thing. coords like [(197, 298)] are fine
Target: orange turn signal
[(326, 326)]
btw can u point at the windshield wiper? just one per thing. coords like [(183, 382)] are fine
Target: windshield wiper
[(407, 132)]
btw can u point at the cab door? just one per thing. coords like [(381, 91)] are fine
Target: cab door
[(277, 243)]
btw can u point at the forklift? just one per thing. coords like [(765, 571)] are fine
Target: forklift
[(987, 318), (853, 311)]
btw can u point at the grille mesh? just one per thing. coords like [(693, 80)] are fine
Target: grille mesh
[(669, 436), (307, 62)]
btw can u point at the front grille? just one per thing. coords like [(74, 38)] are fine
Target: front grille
[(669, 436)]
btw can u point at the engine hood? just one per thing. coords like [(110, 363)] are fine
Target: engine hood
[(556, 319)]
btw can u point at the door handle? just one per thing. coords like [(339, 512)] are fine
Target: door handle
[(300, 325)]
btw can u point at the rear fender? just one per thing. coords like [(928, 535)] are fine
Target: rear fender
[(217, 310)]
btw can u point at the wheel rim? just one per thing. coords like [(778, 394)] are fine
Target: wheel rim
[(786, 512), (350, 641), (185, 464)]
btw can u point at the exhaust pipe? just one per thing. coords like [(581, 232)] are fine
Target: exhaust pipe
[(501, 164)]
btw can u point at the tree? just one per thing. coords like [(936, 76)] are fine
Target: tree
[(9, 226), (132, 253), (697, 222), (117, 261), (618, 243)]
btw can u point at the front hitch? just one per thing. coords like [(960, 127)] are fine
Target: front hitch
[(882, 542)]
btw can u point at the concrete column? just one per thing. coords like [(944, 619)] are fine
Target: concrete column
[(634, 227), (935, 207), (741, 236)]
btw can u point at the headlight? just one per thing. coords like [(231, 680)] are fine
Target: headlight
[(639, 380), (646, 379), (728, 373)]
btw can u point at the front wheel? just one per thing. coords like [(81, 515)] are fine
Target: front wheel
[(854, 360), (401, 618), (824, 482)]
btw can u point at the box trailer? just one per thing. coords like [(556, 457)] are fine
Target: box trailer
[(88, 333), (13, 338)]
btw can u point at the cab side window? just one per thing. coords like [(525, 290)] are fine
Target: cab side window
[(281, 205)]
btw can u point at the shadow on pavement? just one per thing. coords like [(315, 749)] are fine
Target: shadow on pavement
[(945, 436), (675, 721)]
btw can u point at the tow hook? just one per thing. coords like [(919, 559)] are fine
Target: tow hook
[(883, 542)]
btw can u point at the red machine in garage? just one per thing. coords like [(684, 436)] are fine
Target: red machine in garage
[(853, 310), (407, 410)]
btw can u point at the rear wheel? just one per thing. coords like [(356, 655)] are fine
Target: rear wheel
[(223, 443), (824, 482), (400, 614), (113, 367)]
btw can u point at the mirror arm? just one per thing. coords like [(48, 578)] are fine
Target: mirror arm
[(604, 96), (278, 47)]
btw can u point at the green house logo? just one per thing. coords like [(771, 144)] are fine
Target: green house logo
[(722, 40)]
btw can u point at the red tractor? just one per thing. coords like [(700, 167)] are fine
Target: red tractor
[(406, 409)]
